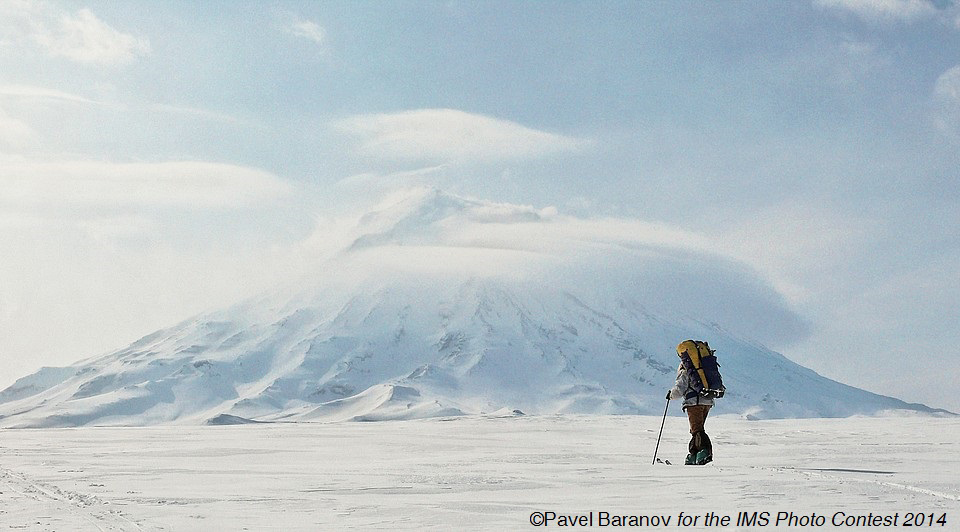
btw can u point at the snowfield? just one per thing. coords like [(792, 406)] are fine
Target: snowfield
[(482, 473)]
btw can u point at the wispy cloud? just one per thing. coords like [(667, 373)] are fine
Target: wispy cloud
[(295, 25), (14, 133), (948, 84), (26, 184), (77, 36), (946, 96), (449, 134), (29, 92), (19, 128), (307, 29), (883, 10)]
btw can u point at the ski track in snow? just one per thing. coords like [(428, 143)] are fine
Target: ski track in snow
[(34, 505), (468, 473), (817, 473)]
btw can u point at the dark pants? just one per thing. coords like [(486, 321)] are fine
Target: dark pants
[(697, 415)]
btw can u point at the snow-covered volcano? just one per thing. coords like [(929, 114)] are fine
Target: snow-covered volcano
[(436, 305)]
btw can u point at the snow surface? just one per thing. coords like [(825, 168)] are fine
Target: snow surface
[(437, 305), (471, 473)]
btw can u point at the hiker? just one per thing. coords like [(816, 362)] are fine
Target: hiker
[(697, 398)]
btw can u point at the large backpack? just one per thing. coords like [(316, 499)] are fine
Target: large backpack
[(703, 371)]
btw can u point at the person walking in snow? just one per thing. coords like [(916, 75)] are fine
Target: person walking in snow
[(695, 366), (700, 449)]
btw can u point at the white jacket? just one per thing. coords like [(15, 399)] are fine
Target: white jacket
[(681, 388)]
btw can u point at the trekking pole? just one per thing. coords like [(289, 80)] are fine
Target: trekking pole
[(661, 431)]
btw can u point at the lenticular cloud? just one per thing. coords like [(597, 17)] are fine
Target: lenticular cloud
[(449, 134), (427, 231)]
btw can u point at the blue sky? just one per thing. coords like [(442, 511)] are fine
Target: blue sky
[(167, 157)]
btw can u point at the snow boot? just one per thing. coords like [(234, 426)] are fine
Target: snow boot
[(702, 457), (705, 456)]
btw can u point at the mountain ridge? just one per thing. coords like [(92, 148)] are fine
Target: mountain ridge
[(412, 318)]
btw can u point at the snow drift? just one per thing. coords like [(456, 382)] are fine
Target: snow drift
[(436, 305)]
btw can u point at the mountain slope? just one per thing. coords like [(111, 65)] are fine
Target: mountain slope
[(435, 307)]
